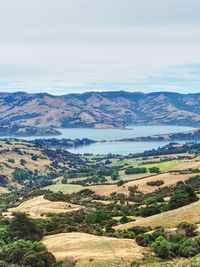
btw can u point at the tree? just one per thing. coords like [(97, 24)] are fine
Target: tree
[(39, 259), (97, 217), (154, 170), (23, 227), (188, 248), (120, 183), (114, 175), (21, 175), (182, 197), (162, 248)]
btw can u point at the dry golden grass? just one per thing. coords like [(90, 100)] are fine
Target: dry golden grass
[(168, 178), (83, 246), (188, 164), (168, 219), (38, 206), (7, 152)]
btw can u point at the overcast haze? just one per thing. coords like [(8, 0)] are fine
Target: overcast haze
[(61, 46)]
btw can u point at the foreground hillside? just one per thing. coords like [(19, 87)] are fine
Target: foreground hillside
[(96, 211), (104, 109)]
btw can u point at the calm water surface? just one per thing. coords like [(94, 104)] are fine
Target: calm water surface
[(115, 134)]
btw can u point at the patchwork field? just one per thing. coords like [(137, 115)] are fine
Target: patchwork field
[(163, 166), (168, 219), (87, 248), (40, 207)]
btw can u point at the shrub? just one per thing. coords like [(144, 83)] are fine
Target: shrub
[(39, 259), (143, 240), (136, 170), (97, 217), (114, 175), (155, 183), (182, 197), (147, 211), (187, 229), (11, 160), (23, 227), (124, 219), (154, 200), (188, 248), (162, 248), (120, 183), (154, 170)]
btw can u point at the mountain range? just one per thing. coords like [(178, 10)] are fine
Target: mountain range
[(99, 109)]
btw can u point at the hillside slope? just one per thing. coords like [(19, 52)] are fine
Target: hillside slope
[(99, 109), (168, 219), (83, 246)]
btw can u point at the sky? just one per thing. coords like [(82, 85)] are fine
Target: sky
[(65, 46)]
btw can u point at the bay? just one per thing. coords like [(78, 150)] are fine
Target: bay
[(114, 147)]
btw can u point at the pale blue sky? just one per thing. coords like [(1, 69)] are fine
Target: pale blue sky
[(61, 46)]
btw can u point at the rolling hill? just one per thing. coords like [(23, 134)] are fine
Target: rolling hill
[(99, 109)]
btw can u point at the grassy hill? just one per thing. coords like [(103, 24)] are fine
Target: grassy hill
[(85, 248)]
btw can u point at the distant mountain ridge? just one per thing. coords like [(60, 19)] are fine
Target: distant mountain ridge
[(99, 109)]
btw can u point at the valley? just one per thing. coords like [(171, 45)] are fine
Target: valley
[(93, 205)]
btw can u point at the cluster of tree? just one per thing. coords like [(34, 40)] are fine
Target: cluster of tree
[(194, 182), (63, 143), (155, 183), (137, 170), (19, 244), (180, 243), (33, 180), (181, 196), (88, 181)]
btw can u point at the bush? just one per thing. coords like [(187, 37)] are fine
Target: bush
[(120, 183), (39, 259), (154, 200), (97, 217), (21, 175), (114, 175), (182, 197), (154, 170), (147, 211), (143, 240), (155, 183), (11, 160), (187, 229), (162, 248), (23, 227), (188, 248), (124, 219), (132, 170)]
